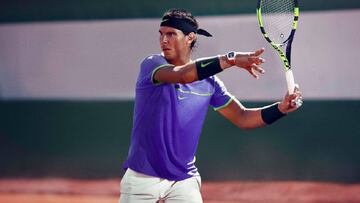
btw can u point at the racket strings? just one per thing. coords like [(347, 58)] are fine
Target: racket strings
[(277, 17)]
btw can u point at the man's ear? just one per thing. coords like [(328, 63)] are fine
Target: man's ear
[(192, 37)]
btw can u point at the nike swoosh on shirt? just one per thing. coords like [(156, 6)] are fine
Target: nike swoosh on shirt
[(181, 98), (203, 65)]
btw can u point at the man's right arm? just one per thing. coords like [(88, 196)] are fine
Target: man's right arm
[(248, 118), (189, 72)]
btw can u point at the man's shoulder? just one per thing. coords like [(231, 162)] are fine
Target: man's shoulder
[(154, 57), (153, 62)]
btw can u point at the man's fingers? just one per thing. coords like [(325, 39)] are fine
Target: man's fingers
[(256, 60), (252, 72), (297, 88), (258, 52), (296, 99), (291, 97), (293, 101), (296, 103), (298, 92), (262, 60), (255, 69)]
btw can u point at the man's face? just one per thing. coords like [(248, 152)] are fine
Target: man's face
[(173, 43)]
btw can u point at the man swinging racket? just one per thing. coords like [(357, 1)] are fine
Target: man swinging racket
[(173, 93)]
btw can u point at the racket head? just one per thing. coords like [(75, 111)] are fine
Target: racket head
[(278, 20)]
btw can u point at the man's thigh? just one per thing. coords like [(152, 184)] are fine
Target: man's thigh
[(139, 188), (185, 191)]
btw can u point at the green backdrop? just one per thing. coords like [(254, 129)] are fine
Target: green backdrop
[(90, 139)]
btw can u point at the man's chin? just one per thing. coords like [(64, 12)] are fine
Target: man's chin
[(168, 57)]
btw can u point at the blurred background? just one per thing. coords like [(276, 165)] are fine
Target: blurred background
[(68, 71)]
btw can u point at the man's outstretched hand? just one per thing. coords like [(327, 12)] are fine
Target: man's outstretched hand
[(251, 61)]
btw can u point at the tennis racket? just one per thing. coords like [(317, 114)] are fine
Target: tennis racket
[(278, 20)]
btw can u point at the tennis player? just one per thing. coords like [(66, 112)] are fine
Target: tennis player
[(173, 93)]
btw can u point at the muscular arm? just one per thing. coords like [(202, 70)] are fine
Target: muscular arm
[(248, 118), (244, 118), (183, 74), (187, 73)]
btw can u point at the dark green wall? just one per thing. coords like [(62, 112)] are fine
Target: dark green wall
[(84, 139), (53, 10)]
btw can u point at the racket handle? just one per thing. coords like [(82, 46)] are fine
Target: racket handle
[(291, 86), (290, 81)]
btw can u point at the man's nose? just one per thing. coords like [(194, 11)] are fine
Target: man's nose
[(164, 39)]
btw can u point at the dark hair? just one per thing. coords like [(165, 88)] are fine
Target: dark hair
[(183, 15)]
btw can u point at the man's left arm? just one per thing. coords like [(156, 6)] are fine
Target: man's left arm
[(248, 118)]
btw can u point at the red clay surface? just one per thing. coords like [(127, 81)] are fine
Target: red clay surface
[(107, 191)]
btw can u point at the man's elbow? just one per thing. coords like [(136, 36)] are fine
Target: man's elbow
[(244, 127)]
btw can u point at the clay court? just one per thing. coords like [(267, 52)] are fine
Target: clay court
[(107, 191)]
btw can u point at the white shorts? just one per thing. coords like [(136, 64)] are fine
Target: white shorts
[(140, 188)]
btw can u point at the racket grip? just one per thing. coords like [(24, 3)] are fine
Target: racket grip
[(291, 86), (290, 81)]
